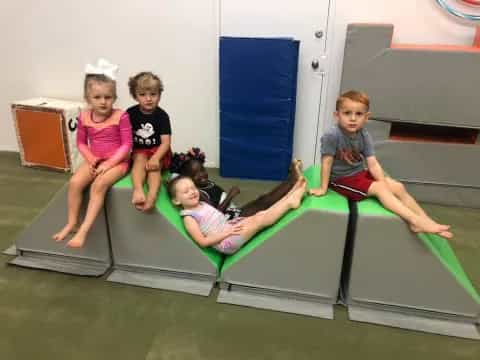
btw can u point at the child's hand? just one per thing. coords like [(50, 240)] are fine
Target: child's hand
[(318, 191), (152, 164), (234, 191), (235, 229), (93, 166), (101, 169), (92, 170)]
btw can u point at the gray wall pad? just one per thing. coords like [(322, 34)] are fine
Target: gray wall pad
[(445, 195), (379, 130), (422, 167), (433, 163), (418, 86), (302, 261), (37, 249), (148, 243), (393, 271)]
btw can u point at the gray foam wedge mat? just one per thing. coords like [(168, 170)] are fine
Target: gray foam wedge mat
[(11, 250), (296, 270), (36, 248), (397, 280), (149, 251)]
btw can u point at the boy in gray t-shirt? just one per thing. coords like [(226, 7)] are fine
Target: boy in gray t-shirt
[(349, 166)]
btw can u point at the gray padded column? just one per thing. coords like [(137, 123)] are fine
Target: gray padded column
[(434, 86)]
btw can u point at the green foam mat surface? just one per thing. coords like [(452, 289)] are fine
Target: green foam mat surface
[(436, 244), (171, 213), (331, 202)]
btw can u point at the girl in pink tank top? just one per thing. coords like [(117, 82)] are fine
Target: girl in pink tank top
[(104, 138)]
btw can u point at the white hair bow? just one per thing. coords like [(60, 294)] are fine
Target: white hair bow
[(102, 67)]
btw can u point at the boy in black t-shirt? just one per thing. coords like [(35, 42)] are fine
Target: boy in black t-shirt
[(151, 138)]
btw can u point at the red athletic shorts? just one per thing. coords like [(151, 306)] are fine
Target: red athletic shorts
[(354, 187), (166, 160)]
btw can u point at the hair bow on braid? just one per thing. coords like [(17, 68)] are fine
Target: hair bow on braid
[(102, 67), (180, 159)]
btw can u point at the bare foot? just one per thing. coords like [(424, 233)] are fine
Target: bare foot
[(296, 185), (296, 196), (62, 234), (446, 234), (428, 226), (430, 220), (296, 170), (149, 203), (78, 240), (138, 199)]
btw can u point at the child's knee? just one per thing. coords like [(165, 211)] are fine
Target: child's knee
[(399, 187), (260, 215), (396, 186), (378, 187), (98, 187), (155, 173), (76, 183), (139, 160)]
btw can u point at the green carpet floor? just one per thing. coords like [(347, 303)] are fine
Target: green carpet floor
[(45, 315)]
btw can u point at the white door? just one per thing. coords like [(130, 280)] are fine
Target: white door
[(304, 20)]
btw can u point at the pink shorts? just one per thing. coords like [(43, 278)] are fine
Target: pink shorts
[(166, 160), (354, 187), (233, 243)]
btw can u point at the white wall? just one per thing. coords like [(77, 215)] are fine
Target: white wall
[(45, 44), (415, 21)]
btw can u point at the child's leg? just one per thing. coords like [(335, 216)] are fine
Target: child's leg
[(416, 222), (76, 185), (98, 190), (138, 179), (264, 201), (398, 189), (154, 180), (292, 200)]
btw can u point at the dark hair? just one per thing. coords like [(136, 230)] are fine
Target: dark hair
[(181, 162), (353, 95)]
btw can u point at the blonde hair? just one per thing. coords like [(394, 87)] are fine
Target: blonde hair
[(353, 95), (89, 78), (144, 80)]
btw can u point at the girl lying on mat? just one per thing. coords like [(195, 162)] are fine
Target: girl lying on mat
[(210, 227), (191, 164)]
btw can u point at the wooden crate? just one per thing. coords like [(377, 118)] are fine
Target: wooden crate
[(46, 132)]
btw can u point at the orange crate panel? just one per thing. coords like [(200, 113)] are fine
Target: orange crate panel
[(41, 137)]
